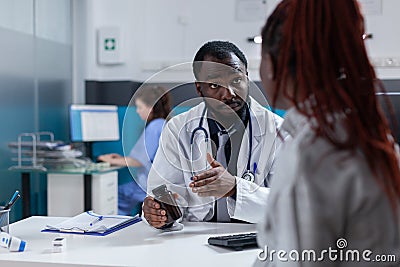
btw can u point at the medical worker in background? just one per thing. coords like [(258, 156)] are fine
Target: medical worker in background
[(153, 105)]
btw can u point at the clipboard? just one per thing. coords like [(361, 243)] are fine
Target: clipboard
[(90, 223)]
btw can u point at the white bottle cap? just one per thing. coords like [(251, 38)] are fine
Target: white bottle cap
[(16, 245)]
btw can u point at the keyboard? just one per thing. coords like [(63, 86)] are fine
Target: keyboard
[(237, 241)]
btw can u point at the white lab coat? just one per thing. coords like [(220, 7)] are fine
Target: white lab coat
[(173, 165)]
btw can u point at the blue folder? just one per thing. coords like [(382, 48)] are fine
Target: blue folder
[(107, 232)]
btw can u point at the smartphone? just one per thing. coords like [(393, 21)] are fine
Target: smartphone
[(167, 202)]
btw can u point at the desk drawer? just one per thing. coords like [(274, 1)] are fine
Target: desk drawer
[(106, 200), (105, 204), (110, 208), (106, 180), (105, 193)]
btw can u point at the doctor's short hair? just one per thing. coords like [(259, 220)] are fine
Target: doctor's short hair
[(156, 97), (219, 50)]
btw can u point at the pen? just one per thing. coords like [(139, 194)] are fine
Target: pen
[(254, 168), (12, 200), (96, 220)]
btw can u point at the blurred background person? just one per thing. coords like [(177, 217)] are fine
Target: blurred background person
[(153, 104)]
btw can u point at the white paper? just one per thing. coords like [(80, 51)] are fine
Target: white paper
[(90, 222)]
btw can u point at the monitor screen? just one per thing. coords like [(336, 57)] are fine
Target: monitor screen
[(90, 123)]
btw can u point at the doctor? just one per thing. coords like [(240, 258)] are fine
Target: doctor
[(218, 155)]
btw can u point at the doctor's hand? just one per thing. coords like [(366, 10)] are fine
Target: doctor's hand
[(153, 213), (215, 182)]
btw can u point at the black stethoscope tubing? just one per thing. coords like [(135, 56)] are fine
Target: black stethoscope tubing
[(202, 129)]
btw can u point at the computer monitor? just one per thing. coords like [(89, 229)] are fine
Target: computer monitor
[(90, 123)]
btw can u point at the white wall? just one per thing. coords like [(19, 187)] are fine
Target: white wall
[(59, 13), (128, 16), (17, 15), (385, 44), (159, 33)]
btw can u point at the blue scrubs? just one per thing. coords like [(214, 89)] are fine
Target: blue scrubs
[(132, 194)]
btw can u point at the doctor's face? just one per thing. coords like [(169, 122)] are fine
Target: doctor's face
[(223, 84)]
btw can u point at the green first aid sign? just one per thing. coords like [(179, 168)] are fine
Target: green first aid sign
[(109, 44)]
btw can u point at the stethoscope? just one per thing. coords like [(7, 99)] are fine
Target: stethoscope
[(248, 174)]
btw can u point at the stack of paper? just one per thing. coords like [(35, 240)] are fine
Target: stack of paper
[(93, 224), (34, 153)]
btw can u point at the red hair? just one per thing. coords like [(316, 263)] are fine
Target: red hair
[(318, 45)]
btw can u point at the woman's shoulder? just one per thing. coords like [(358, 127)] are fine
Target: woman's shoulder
[(156, 124), (343, 175)]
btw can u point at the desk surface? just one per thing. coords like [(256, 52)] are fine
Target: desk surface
[(136, 245)]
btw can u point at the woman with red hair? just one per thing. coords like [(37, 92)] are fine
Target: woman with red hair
[(336, 187)]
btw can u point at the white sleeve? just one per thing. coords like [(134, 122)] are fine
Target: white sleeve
[(251, 198), (166, 168), (250, 203)]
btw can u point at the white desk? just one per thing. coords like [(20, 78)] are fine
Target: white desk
[(136, 245)]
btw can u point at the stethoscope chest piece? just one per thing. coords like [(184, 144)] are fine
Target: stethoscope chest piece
[(248, 176)]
